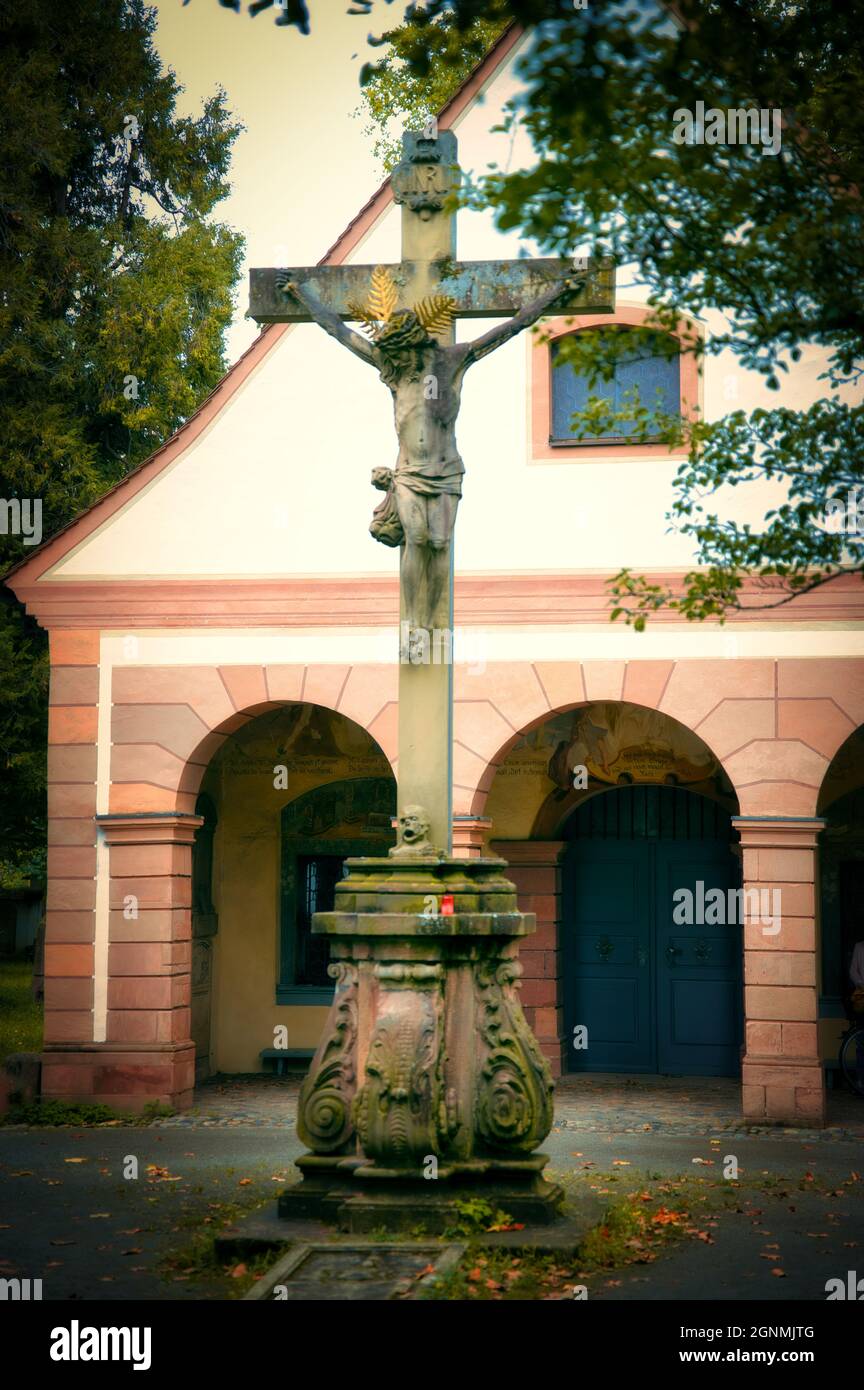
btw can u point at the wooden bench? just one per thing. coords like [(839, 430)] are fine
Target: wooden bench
[(282, 1055)]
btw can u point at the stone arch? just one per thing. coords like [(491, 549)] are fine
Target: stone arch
[(479, 794), (168, 722), (534, 844), (298, 788)]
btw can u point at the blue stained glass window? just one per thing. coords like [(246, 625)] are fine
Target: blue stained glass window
[(640, 368)]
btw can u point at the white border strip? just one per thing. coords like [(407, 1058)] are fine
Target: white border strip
[(518, 644)]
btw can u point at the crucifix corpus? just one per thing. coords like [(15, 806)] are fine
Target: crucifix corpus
[(407, 312)]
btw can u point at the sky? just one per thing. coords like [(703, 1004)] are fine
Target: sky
[(302, 168)]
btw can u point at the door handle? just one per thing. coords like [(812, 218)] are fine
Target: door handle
[(672, 952), (604, 948)]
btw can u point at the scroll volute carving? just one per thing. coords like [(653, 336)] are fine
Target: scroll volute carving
[(324, 1116), (513, 1100)]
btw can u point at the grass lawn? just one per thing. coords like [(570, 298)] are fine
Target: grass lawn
[(20, 1015)]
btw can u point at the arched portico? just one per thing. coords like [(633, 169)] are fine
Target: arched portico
[(119, 942)]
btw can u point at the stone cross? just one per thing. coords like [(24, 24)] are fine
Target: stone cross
[(408, 310)]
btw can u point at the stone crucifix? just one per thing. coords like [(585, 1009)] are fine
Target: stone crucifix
[(408, 312)]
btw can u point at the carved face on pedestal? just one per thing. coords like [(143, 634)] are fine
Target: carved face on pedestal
[(413, 825), (413, 835)]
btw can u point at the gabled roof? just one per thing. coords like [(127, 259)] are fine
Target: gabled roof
[(51, 551)]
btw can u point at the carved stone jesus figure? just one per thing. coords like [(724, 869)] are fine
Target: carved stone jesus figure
[(425, 381)]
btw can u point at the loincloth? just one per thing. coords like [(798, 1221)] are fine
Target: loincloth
[(447, 483)]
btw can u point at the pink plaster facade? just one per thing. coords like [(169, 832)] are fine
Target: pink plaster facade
[(774, 724)]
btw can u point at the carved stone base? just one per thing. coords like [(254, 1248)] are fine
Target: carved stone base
[(427, 1076), (360, 1197)]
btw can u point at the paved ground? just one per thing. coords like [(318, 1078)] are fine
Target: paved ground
[(67, 1214), (603, 1103)]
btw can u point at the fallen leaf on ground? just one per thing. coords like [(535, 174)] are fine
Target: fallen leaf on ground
[(667, 1218)]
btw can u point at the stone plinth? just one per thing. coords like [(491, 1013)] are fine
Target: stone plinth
[(428, 1082)]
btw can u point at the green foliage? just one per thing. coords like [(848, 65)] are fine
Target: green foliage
[(425, 63), (83, 1114), (117, 293), (773, 243), (20, 1013), (23, 743), (52, 1113), (475, 1215)]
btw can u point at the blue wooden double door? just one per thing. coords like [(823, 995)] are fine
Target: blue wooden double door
[(653, 994)]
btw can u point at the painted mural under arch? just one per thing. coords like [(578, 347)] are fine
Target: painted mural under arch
[(617, 743)]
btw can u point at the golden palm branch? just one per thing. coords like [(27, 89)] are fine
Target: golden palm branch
[(361, 314), (383, 295), (436, 312)]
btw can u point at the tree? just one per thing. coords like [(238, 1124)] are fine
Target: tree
[(396, 99), (116, 293), (773, 241)]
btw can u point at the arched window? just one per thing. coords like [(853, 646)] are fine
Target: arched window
[(653, 372)]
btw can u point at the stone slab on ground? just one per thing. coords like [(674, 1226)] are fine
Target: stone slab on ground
[(368, 1271), (263, 1231)]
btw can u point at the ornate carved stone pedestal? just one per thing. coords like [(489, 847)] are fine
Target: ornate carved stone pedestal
[(428, 1085)]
